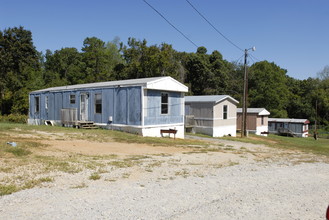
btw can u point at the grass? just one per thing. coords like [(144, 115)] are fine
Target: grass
[(95, 176), (6, 189), (14, 161), (308, 145)]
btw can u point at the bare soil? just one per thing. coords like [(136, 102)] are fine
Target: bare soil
[(109, 176)]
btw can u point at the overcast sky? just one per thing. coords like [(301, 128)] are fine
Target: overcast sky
[(293, 34)]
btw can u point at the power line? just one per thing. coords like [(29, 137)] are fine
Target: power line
[(254, 57), (171, 24), (251, 57), (239, 59), (226, 38)]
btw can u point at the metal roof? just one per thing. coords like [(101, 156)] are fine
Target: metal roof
[(209, 98), (260, 111), (145, 82), (289, 120)]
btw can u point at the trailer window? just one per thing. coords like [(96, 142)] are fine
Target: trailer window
[(72, 99), (164, 103), (98, 103), (46, 102), (36, 104), (225, 112)]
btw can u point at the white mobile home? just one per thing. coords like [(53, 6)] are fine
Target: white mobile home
[(214, 115), (142, 106)]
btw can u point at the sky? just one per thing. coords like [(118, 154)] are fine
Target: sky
[(294, 34)]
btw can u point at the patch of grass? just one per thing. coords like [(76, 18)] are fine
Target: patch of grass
[(6, 169), (204, 150), (125, 175), (63, 165), (184, 173), (231, 163), (35, 182), (27, 184), (80, 186), (308, 145), (128, 162), (17, 151), (8, 189), (95, 176), (320, 146)]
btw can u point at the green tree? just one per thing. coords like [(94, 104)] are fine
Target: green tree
[(19, 63), (95, 60), (268, 89), (150, 61), (64, 67)]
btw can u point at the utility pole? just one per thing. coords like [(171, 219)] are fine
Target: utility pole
[(245, 95)]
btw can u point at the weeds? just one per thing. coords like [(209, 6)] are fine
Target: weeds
[(7, 189), (94, 176)]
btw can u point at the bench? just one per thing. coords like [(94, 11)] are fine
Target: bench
[(168, 131)]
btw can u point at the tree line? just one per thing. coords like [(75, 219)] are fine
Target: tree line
[(24, 69)]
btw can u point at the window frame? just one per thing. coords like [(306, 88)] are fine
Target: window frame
[(98, 103), (36, 104), (46, 102), (72, 100), (164, 105), (225, 112)]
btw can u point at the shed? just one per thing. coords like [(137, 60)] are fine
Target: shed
[(143, 106), (214, 115), (297, 127), (257, 120)]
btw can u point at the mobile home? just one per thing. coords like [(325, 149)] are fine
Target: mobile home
[(296, 127), (257, 120), (214, 115), (143, 106)]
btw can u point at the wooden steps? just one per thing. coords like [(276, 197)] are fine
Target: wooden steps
[(85, 125)]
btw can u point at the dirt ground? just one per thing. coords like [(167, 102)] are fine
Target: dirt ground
[(144, 181)]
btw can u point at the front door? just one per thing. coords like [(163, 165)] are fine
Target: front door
[(84, 106)]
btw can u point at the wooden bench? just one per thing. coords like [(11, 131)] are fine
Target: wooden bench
[(168, 131)]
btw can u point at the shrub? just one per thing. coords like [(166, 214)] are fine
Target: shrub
[(14, 118)]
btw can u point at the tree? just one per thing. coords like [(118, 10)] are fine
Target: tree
[(199, 74), (96, 63), (324, 74), (268, 89), (64, 67), (150, 61), (19, 63)]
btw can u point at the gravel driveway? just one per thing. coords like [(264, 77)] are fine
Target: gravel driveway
[(184, 187)]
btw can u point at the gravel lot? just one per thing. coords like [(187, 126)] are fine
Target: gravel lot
[(259, 183)]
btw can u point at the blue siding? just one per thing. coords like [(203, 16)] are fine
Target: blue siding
[(123, 104), (154, 116), (135, 106)]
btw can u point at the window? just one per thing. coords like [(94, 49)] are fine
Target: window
[(46, 102), (262, 120), (36, 104), (72, 99), (164, 103), (225, 112), (98, 103)]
